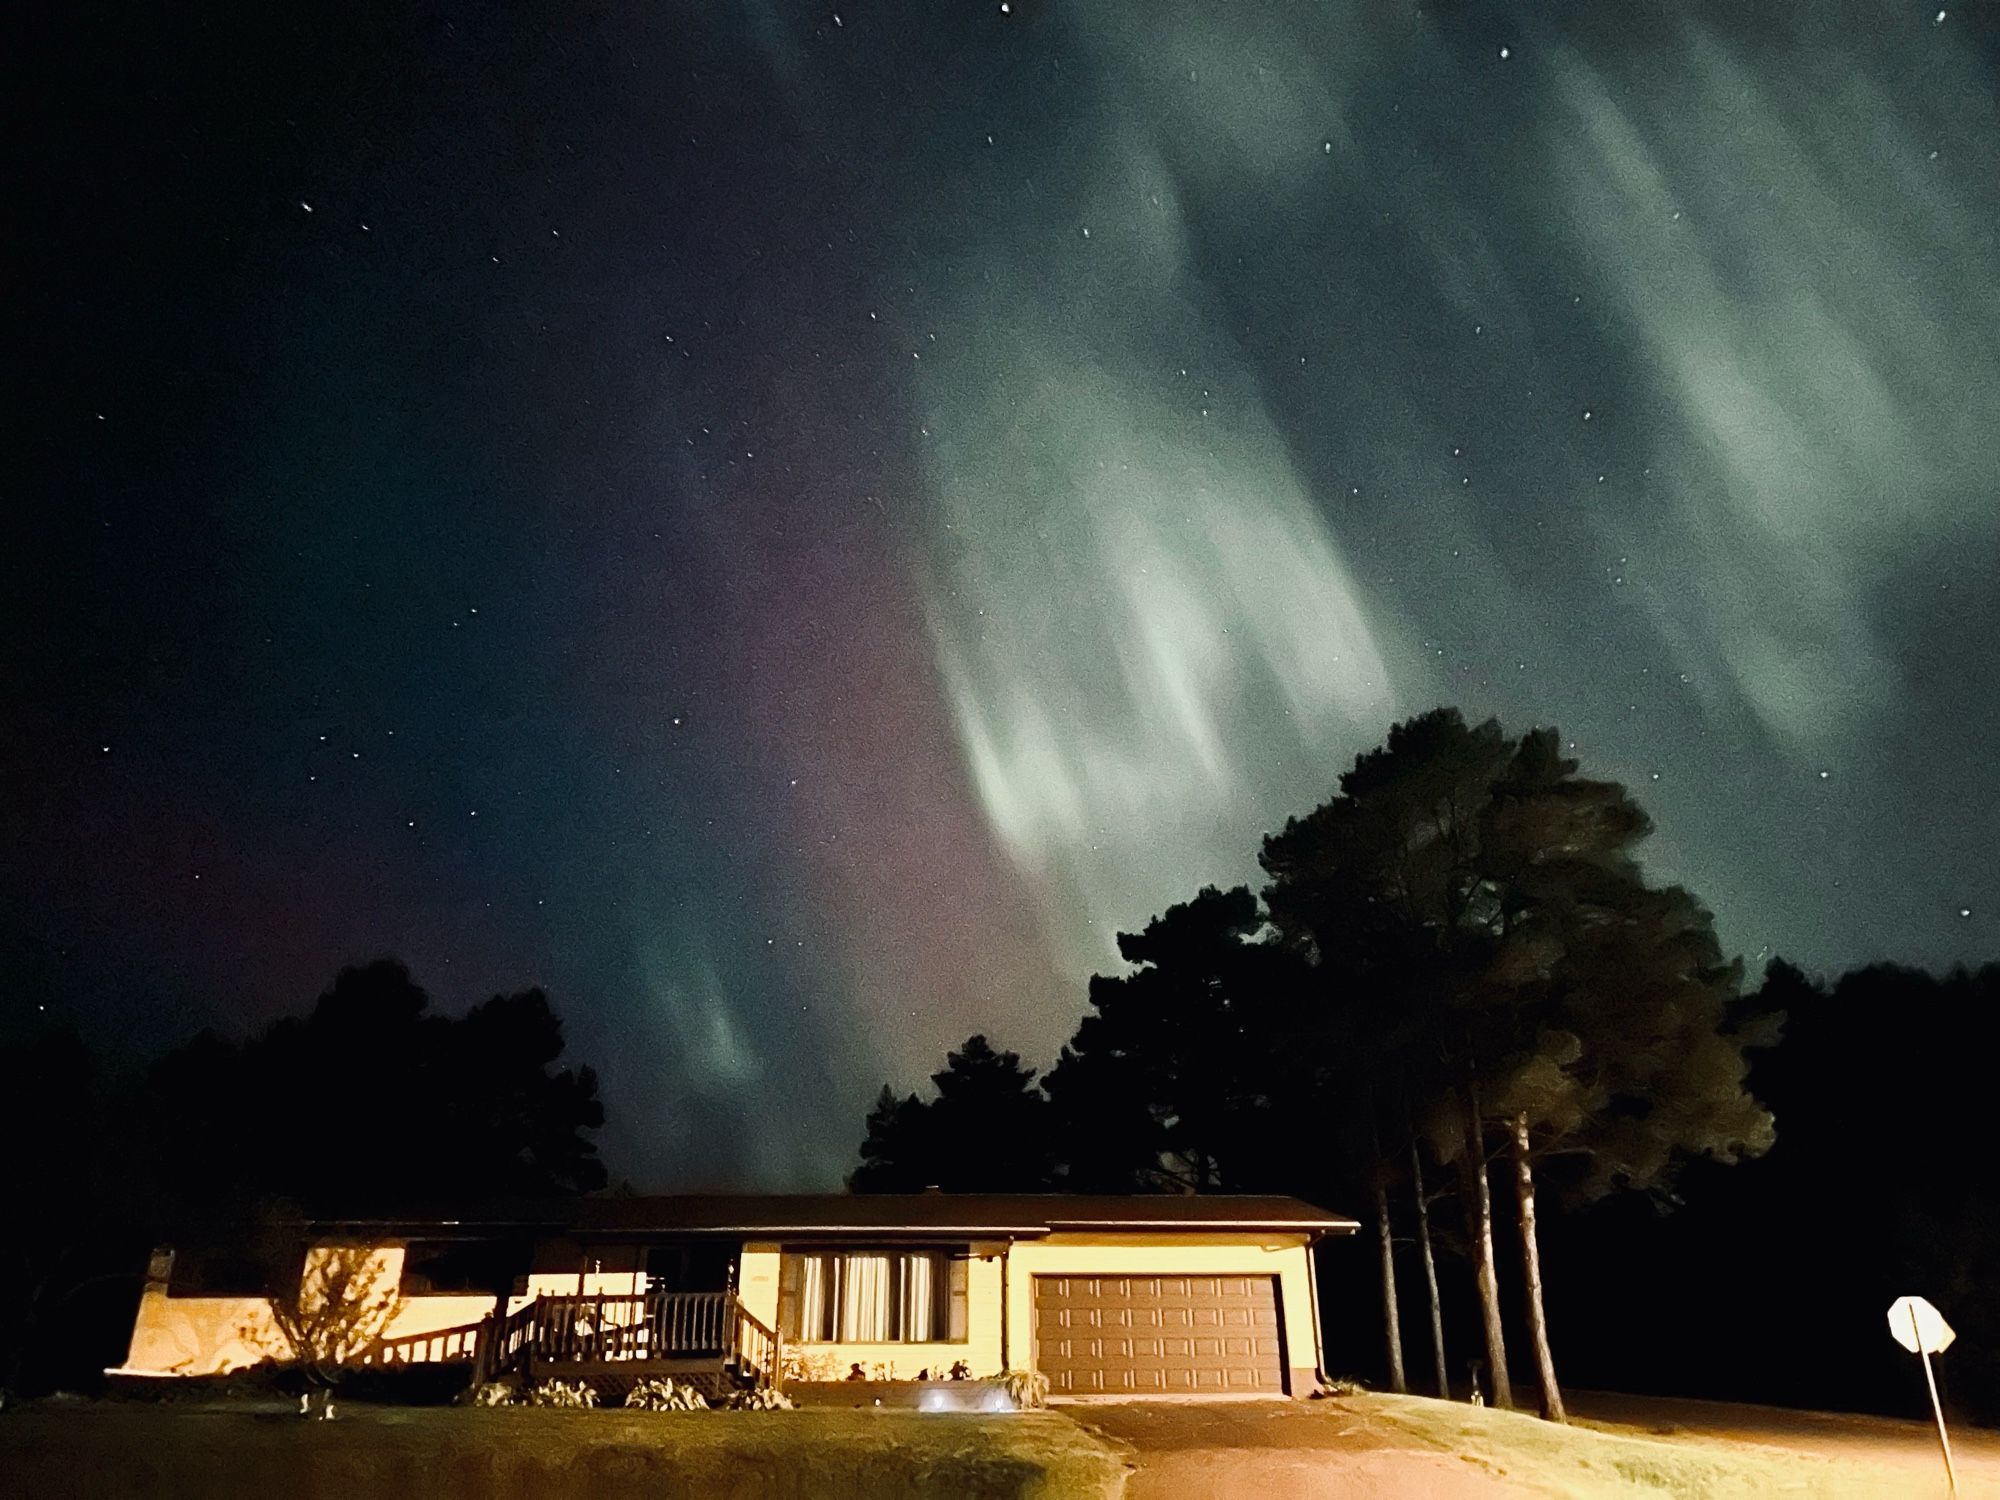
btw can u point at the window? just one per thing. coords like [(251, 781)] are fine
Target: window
[(874, 1297), (431, 1268), (691, 1267), (486, 1268), (229, 1271)]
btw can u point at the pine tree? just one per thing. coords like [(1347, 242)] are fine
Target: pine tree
[(1536, 990)]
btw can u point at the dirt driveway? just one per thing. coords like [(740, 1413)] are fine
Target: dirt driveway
[(1405, 1448), (1908, 1447), (1280, 1450)]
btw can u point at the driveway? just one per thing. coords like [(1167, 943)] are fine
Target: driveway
[(1405, 1448), (1280, 1450), (1908, 1447)]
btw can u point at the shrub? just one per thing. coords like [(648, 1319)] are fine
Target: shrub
[(664, 1395), (1027, 1389), (758, 1398), (807, 1364), (574, 1394), (493, 1393), (343, 1303), (1339, 1385)]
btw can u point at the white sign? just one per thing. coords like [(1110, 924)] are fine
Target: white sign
[(1919, 1327)]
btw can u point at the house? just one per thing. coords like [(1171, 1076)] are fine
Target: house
[(1106, 1296)]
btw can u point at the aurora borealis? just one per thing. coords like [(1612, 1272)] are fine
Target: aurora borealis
[(789, 525)]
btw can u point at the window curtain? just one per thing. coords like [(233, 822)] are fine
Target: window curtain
[(815, 1303), (867, 1299), (919, 1299), (872, 1298)]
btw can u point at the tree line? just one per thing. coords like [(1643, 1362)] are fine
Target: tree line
[(370, 1103), (1458, 1008), (1455, 1007)]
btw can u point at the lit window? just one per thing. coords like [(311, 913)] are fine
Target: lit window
[(876, 1297)]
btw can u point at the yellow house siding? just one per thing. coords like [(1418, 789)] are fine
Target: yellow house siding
[(214, 1335), (980, 1349), (1282, 1256), (757, 1281), (197, 1335), (1000, 1297)]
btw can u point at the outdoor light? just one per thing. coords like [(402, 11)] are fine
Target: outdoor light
[(965, 1396)]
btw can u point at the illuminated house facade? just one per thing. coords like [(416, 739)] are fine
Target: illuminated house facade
[(1105, 1296)]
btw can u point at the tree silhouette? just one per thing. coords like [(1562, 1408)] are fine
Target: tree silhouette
[(1459, 946), (1530, 986), (372, 1103), (64, 1171), (986, 1130), (1174, 1078), (1882, 1091), (326, 1318), (1379, 887)]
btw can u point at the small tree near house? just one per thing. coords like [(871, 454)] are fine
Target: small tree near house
[(341, 1304)]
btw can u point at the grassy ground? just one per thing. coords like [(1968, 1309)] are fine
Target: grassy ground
[(513, 1454), (1606, 1462), (1370, 1447)]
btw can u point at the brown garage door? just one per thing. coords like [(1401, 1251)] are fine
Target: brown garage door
[(1159, 1335)]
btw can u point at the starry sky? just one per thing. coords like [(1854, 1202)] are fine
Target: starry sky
[(791, 524)]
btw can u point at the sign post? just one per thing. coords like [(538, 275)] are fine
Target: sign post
[(1921, 1329)]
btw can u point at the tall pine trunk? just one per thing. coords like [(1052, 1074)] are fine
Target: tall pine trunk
[(1479, 1221), (1392, 1321), (1430, 1262), (1531, 1271)]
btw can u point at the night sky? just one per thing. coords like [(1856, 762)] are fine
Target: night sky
[(790, 525)]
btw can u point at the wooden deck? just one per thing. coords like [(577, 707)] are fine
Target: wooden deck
[(708, 1339)]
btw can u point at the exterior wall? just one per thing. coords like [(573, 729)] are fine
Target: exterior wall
[(757, 1280), (1282, 1256), (214, 1335), (563, 1268), (197, 1335), (1000, 1295), (980, 1349)]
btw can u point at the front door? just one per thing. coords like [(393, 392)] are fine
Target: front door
[(691, 1266)]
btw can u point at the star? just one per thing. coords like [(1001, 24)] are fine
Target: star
[(1082, 648)]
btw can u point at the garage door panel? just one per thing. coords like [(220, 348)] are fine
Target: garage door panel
[(1159, 1335)]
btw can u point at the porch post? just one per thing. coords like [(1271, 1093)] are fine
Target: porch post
[(482, 1349)]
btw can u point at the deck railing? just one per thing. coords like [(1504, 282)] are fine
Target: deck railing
[(614, 1326), (601, 1328), (439, 1346), (760, 1352)]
